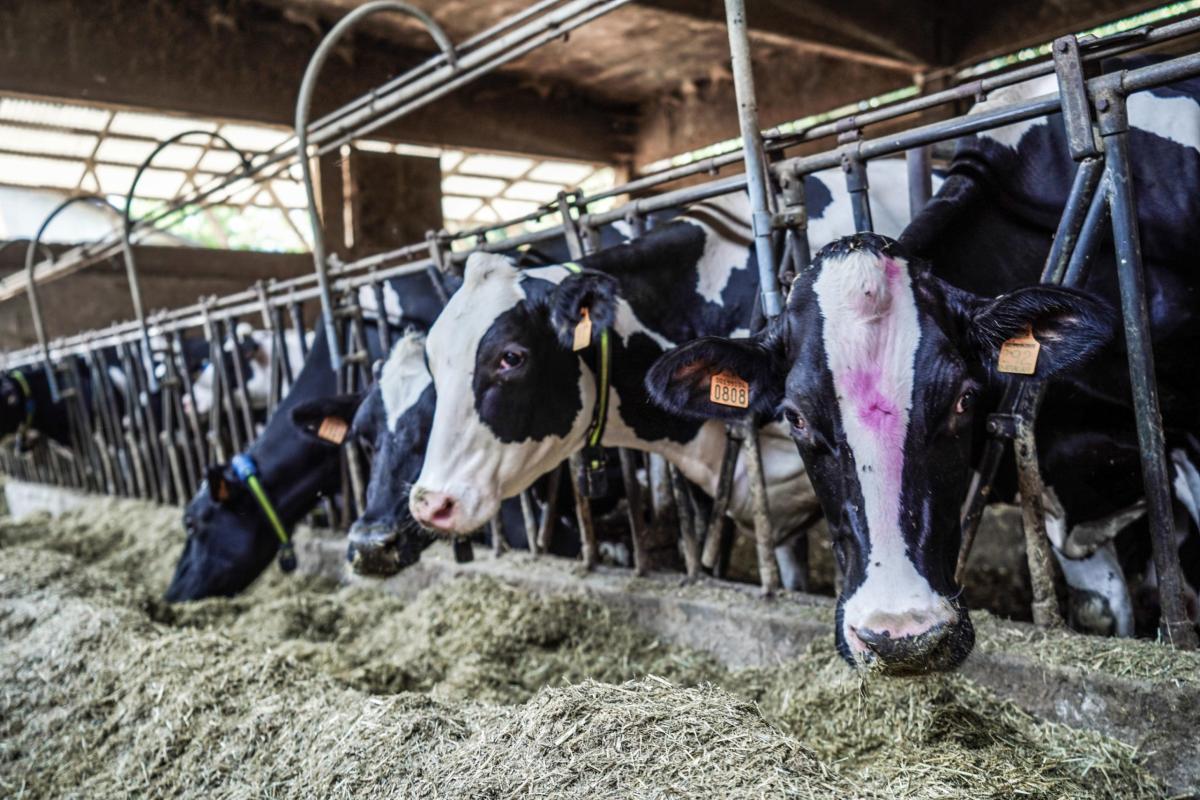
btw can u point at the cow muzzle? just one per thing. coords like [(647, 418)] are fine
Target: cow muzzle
[(912, 642), (374, 550)]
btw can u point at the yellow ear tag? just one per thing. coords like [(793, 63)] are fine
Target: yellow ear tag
[(729, 390), (583, 331), (333, 429), (1019, 354)]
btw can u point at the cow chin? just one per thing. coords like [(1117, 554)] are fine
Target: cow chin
[(939, 646)]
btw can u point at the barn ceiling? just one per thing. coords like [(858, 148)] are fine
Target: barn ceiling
[(649, 79)]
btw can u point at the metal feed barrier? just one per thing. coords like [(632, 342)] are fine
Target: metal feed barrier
[(122, 454)]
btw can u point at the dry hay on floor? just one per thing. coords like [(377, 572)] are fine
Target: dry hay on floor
[(476, 689)]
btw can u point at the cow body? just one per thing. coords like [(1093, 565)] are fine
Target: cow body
[(886, 349)]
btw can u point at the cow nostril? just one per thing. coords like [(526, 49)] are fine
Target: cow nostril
[(444, 510)]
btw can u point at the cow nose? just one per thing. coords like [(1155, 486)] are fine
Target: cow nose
[(906, 642), (435, 510), (372, 549)]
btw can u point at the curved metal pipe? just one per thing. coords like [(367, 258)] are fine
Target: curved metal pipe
[(303, 106), (135, 289), (35, 307)]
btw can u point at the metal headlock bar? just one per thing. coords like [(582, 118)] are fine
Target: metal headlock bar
[(125, 459)]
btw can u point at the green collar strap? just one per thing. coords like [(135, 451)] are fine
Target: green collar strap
[(594, 479), (247, 472)]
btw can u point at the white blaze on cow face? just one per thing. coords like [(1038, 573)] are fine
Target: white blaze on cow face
[(871, 332), (404, 377), (467, 467)]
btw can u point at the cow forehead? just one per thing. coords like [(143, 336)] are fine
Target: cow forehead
[(404, 377), (491, 286)]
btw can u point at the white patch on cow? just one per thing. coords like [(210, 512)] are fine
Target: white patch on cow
[(887, 180), (465, 459), (1186, 483), (257, 369), (871, 333), (1011, 135), (391, 302), (404, 377), (721, 257), (1174, 118)]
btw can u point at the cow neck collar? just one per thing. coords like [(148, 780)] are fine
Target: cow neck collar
[(30, 406), (247, 472), (593, 451)]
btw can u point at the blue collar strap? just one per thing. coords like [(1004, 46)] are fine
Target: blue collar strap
[(247, 472), (594, 480)]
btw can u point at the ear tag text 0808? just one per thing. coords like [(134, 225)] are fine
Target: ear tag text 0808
[(727, 389), (583, 331), (1019, 354), (333, 429)]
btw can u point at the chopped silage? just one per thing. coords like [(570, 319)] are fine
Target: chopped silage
[(476, 689)]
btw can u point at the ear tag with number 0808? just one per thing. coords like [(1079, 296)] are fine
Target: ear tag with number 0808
[(583, 331), (729, 390), (1019, 355)]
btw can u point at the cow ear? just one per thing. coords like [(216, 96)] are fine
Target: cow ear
[(1069, 326), (590, 290), (682, 380), (327, 418), (220, 488)]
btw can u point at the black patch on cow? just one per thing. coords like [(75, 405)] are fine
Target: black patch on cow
[(519, 405)]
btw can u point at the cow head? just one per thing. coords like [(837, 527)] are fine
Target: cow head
[(877, 366), (513, 398), (393, 423), (229, 540), (13, 410)]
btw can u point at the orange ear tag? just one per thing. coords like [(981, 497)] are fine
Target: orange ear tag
[(1019, 354), (583, 331), (729, 390), (222, 491), (333, 429)]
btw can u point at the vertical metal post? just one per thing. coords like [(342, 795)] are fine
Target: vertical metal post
[(637, 520), (1033, 513), (920, 179), (529, 519), (752, 147), (857, 185), (583, 515), (303, 104), (1174, 626)]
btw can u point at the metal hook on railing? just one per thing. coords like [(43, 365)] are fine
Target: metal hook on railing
[(35, 307), (135, 290), (303, 106)]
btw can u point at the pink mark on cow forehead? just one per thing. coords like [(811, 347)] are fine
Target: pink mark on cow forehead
[(867, 398)]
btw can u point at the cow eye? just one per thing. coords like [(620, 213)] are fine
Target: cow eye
[(511, 359), (966, 402), (796, 420)]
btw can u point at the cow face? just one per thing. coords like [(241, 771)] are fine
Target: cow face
[(393, 423), (513, 398), (229, 540), (877, 365), (12, 405)]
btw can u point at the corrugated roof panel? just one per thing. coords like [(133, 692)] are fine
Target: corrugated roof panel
[(47, 142), (564, 172), (499, 166), (34, 171), (257, 138), (155, 126), (55, 115)]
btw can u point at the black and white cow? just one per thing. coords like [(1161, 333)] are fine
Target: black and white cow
[(886, 349), (230, 541), (255, 349), (514, 399), (393, 424)]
